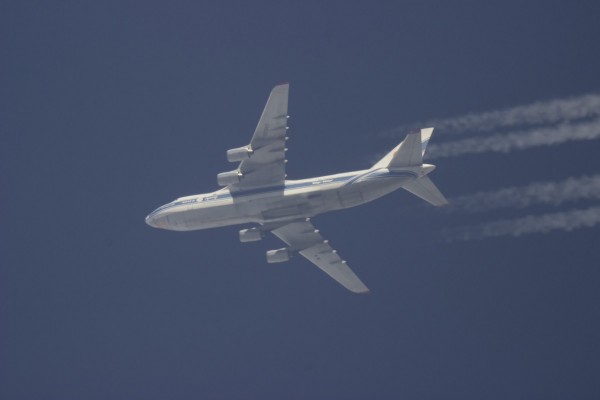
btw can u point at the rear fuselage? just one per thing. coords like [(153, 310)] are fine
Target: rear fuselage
[(296, 199)]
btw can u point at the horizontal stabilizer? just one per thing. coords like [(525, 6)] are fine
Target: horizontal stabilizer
[(425, 189)]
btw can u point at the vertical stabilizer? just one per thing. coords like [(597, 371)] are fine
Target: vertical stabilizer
[(409, 153), (425, 136)]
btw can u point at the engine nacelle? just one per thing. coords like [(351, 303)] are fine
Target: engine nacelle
[(279, 255), (251, 235), (239, 154), (227, 178)]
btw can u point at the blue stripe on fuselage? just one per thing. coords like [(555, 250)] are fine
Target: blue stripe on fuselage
[(369, 175), (253, 192)]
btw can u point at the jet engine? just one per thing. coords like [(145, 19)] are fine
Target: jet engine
[(279, 255), (251, 235), (227, 178), (239, 154)]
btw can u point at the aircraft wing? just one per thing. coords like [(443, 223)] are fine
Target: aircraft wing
[(301, 236), (266, 167)]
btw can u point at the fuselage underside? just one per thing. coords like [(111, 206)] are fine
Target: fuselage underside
[(296, 199)]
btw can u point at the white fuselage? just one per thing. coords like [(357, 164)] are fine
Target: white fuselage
[(296, 199)]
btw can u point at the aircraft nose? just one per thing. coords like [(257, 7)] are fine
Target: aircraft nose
[(155, 220), (150, 220), (158, 220)]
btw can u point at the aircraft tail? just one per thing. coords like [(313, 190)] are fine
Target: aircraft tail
[(426, 189), (410, 153)]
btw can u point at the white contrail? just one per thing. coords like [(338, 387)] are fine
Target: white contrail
[(538, 113), (504, 143), (566, 220), (553, 193)]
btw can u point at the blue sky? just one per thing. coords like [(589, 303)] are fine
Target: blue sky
[(111, 109)]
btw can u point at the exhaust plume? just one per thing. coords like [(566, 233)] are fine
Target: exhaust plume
[(552, 193), (537, 113), (521, 140), (566, 221)]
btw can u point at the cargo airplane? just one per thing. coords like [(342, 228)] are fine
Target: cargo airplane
[(257, 192)]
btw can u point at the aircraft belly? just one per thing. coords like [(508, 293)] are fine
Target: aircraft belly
[(281, 206), (363, 192), (284, 208), (350, 197)]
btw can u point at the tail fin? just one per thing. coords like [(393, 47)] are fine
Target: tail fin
[(409, 153), (425, 136), (425, 189)]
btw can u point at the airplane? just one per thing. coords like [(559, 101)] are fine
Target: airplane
[(257, 192)]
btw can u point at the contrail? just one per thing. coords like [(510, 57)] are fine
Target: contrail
[(504, 143), (538, 113), (553, 193), (567, 221)]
